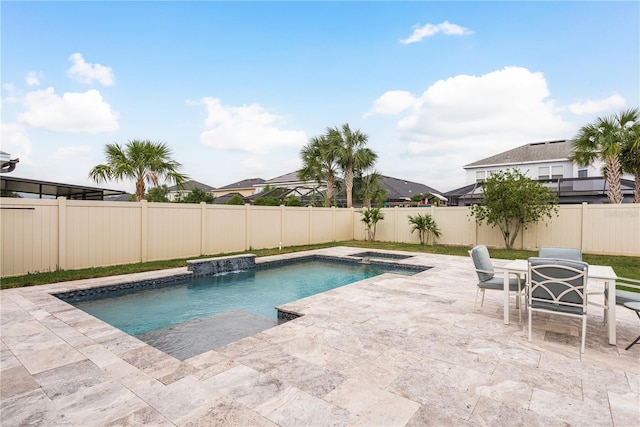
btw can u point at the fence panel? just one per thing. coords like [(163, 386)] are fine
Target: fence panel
[(296, 226), (612, 229), (265, 227), (42, 235), (29, 236), (322, 225), (101, 233), (226, 229), (173, 230)]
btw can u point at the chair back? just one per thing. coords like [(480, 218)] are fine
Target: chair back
[(482, 262), (560, 253), (558, 285)]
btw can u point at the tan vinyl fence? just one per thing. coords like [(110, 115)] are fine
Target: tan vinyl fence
[(44, 235)]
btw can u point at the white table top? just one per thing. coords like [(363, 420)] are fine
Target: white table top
[(603, 272)]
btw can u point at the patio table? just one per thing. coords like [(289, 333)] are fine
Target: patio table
[(598, 272)]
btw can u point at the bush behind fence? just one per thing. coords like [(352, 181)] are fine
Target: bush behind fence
[(44, 235)]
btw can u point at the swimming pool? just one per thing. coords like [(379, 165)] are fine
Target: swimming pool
[(193, 315)]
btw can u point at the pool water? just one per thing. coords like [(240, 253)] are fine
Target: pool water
[(234, 304)]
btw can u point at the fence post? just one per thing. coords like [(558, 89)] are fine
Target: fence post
[(281, 226), (247, 226), (583, 231), (333, 223), (144, 231), (395, 224), (310, 224), (203, 228), (62, 233)]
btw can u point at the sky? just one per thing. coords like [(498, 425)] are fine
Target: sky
[(236, 89)]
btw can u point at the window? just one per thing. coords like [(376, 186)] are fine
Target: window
[(480, 176), (543, 172), (583, 173), (551, 172)]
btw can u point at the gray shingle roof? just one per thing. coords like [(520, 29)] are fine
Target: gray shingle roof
[(533, 152), (286, 178), (400, 189), (190, 185), (244, 184)]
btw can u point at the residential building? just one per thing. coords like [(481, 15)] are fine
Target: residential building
[(402, 191), (245, 188), (175, 190), (548, 162)]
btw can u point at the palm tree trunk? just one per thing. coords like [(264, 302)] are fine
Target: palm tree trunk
[(613, 178), (636, 191), (348, 184), (139, 189), (329, 190)]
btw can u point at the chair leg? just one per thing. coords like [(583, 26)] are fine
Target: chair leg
[(482, 301), (584, 333)]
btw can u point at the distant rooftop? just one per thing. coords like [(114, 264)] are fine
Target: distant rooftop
[(190, 185), (245, 184), (400, 189), (528, 153)]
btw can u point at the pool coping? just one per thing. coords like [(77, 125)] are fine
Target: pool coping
[(398, 333)]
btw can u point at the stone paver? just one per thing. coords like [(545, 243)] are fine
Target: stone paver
[(390, 350)]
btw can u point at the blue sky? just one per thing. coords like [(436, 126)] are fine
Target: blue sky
[(237, 88)]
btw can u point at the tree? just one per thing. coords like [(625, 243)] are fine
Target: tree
[(351, 153), (368, 187), (630, 155), (426, 227), (235, 200), (603, 141), (157, 194), (267, 201), (320, 164), (196, 195), (141, 161), (511, 201), (371, 216)]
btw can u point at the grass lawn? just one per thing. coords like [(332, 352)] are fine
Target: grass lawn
[(623, 266)]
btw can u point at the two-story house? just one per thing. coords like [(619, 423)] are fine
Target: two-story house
[(548, 162)]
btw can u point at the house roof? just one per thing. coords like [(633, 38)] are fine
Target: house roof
[(401, 189), (282, 179), (224, 199), (528, 153), (190, 185), (243, 185), (56, 189), (288, 179)]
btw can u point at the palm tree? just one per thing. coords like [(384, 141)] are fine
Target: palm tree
[(426, 227), (320, 164), (368, 187), (371, 216), (603, 141), (630, 156), (141, 161), (351, 154)]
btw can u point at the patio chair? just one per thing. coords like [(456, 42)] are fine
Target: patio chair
[(558, 286), (560, 253), (488, 278)]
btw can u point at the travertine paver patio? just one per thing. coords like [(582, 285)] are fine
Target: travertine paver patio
[(391, 350)]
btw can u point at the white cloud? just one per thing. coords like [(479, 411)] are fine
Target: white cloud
[(73, 112), (16, 142), (428, 30), (392, 102), (84, 72), (32, 79), (466, 118), (246, 128), (593, 107)]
